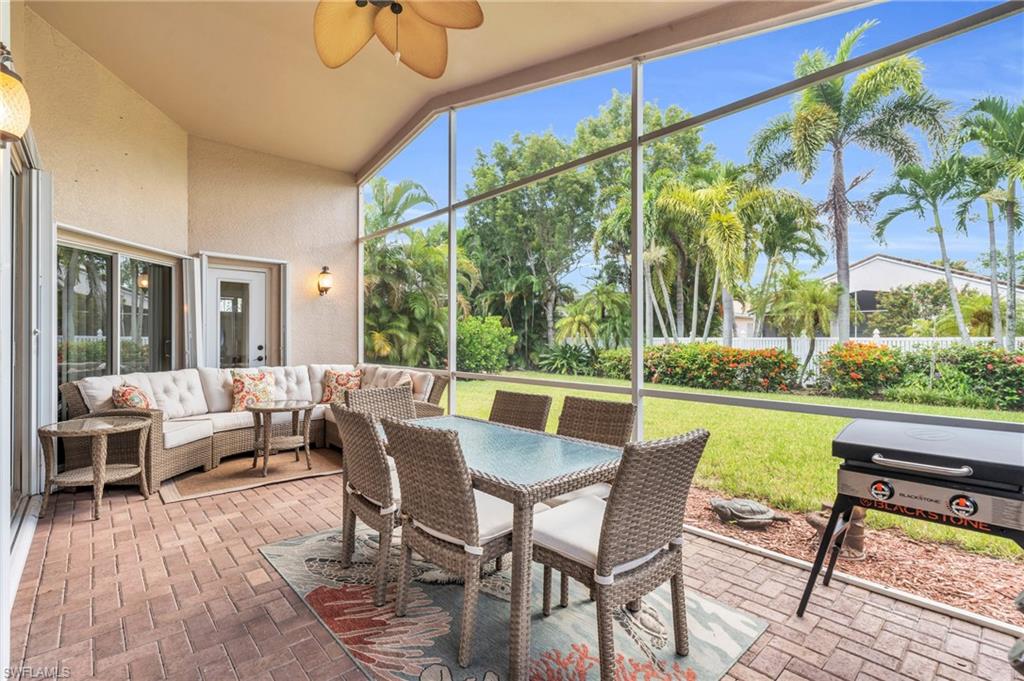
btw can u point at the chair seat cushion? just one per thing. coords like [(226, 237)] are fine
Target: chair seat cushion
[(396, 491), (573, 530), (601, 490), (184, 431), (493, 515)]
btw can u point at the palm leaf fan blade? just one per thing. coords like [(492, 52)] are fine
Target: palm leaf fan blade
[(449, 13), (340, 30), (423, 46)]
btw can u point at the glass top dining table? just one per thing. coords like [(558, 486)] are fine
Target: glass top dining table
[(525, 467)]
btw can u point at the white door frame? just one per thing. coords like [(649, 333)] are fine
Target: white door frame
[(257, 263), (256, 316)]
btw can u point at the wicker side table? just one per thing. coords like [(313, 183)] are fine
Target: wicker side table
[(97, 429), (263, 417)]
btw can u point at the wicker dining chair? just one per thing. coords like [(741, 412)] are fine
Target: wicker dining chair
[(629, 545), (437, 389), (372, 492), (443, 518), (609, 423), (520, 409), (396, 402)]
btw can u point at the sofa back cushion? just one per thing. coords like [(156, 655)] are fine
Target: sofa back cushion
[(316, 377), (291, 383), (377, 376), (178, 393), (97, 391), (217, 388)]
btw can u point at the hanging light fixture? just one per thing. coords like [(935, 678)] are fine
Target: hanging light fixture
[(143, 281), (15, 109), (324, 281)]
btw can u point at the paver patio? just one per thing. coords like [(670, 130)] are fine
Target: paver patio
[(179, 591)]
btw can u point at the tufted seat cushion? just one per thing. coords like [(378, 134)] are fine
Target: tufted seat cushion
[(183, 431), (178, 393)]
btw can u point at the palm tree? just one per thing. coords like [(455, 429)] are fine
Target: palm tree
[(923, 191), (389, 203), (576, 324), (981, 182), (871, 111), (810, 307), (999, 127)]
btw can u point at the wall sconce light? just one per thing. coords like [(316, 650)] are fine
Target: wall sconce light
[(15, 109), (143, 281), (325, 281)]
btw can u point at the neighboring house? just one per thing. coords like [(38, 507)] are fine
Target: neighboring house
[(881, 272)]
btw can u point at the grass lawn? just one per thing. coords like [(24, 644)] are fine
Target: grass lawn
[(781, 458)]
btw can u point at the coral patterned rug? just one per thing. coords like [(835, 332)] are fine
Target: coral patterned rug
[(423, 644)]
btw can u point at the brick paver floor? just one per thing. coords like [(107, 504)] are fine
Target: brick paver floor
[(179, 591)]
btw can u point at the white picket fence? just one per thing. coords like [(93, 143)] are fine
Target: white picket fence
[(801, 344)]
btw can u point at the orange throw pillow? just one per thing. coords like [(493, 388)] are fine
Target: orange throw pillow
[(130, 397), (336, 383), (251, 387)]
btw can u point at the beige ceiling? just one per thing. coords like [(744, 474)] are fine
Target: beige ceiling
[(246, 73)]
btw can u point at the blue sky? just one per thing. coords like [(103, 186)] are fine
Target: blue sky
[(987, 61)]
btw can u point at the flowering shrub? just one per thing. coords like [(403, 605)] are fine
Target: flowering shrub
[(994, 375), (856, 369), (711, 366)]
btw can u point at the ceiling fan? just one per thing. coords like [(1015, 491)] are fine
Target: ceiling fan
[(415, 31)]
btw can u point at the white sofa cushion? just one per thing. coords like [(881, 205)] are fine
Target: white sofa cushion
[(178, 393), (376, 376), (223, 421), (291, 383), (183, 431), (573, 530), (96, 390), (316, 377), (217, 387), (493, 516)]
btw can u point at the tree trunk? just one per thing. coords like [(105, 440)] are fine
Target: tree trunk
[(954, 299), (728, 316), (680, 303), (549, 315), (993, 272), (696, 301), (762, 303), (840, 228), (653, 302), (1011, 267), (711, 307), (807, 359), (668, 305)]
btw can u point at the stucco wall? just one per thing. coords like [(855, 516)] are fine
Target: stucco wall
[(119, 164), (253, 204)]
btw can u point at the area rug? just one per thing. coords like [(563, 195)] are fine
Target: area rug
[(237, 473), (424, 643)]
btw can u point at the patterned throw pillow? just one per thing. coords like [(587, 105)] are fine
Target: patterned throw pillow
[(337, 382), (251, 387), (130, 397)]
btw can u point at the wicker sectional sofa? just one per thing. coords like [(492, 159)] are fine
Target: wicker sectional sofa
[(193, 425)]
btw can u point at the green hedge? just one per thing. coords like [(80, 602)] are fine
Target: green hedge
[(991, 374), (484, 344), (708, 365), (855, 369)]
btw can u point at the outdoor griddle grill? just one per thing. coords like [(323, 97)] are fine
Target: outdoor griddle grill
[(963, 477)]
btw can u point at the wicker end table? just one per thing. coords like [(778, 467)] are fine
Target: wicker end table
[(98, 429), (267, 443)]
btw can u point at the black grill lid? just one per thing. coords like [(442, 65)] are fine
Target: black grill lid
[(995, 455)]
